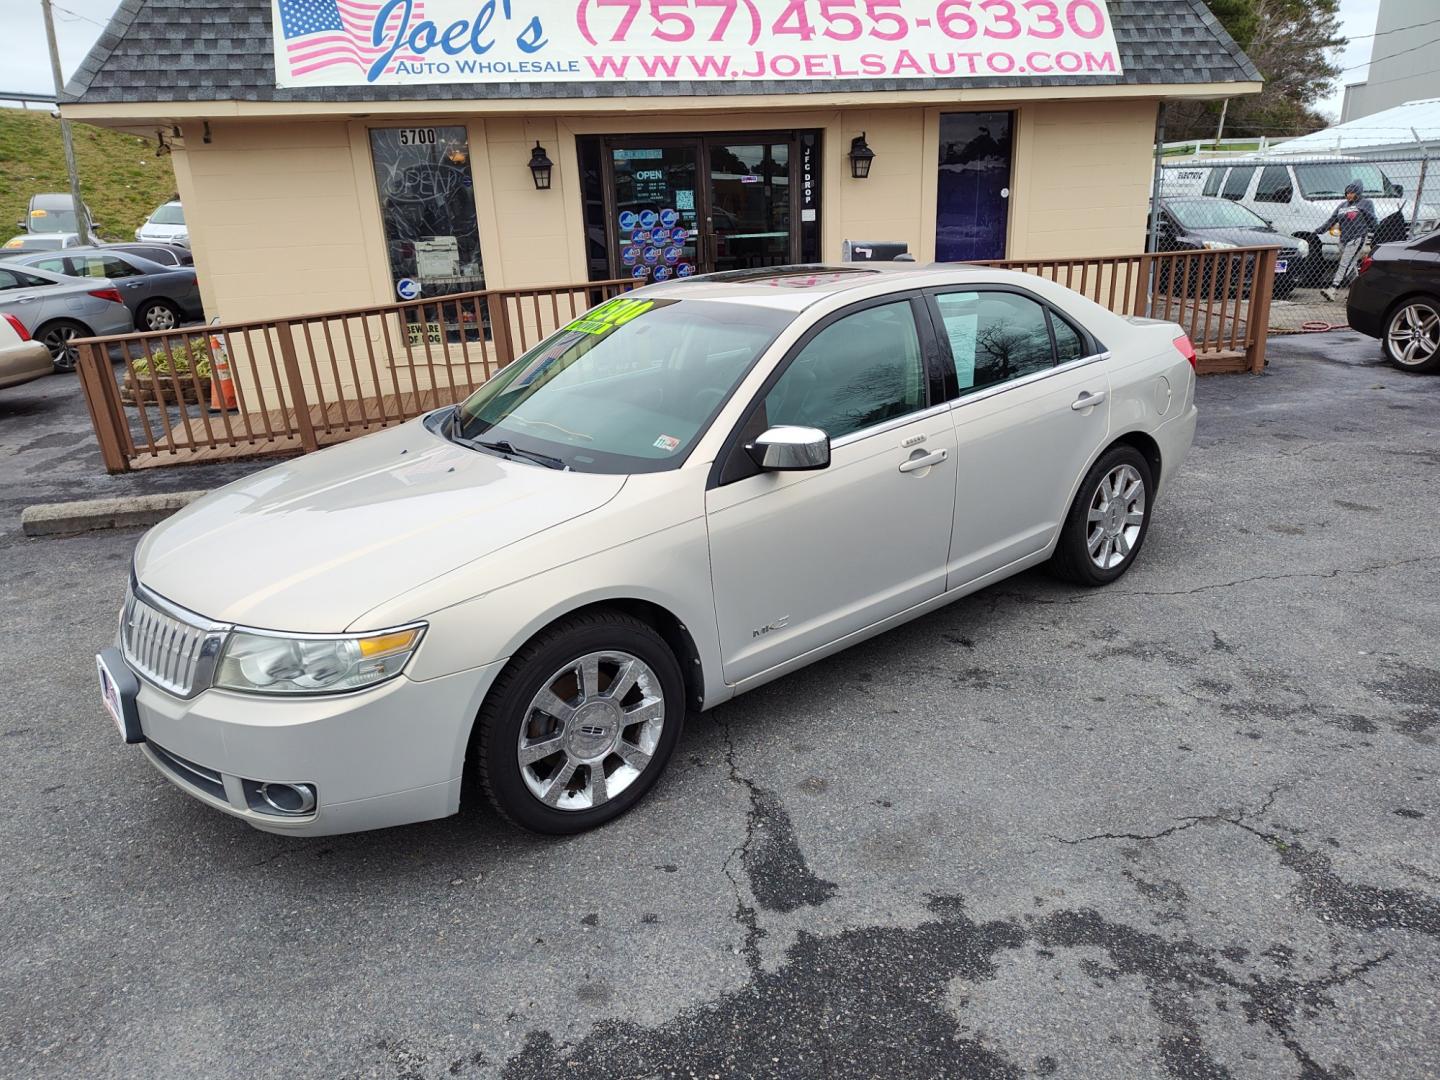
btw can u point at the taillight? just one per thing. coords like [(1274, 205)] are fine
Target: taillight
[(1186, 349), (18, 327), (113, 295), (1365, 264)]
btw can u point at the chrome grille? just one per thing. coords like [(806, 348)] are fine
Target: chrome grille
[(168, 646)]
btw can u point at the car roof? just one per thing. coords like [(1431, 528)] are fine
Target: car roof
[(795, 288)]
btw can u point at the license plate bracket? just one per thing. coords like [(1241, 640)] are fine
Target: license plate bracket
[(119, 691)]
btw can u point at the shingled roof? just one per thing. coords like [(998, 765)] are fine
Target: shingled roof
[(221, 50)]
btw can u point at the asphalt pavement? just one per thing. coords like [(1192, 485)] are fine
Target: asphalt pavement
[(1185, 826)]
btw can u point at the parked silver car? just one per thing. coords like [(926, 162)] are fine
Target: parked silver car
[(55, 309), (684, 493), (159, 297), (166, 224)]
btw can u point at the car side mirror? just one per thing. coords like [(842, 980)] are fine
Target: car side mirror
[(790, 449)]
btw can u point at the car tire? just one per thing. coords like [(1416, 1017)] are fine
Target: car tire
[(158, 315), (56, 336), (1412, 328), (538, 768), (1097, 543)]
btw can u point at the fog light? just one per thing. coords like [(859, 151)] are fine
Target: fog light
[(279, 799)]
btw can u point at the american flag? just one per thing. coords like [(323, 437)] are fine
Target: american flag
[(325, 33)]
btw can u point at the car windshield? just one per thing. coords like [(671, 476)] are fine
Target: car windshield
[(1328, 180), (52, 221), (1214, 214), (626, 388), (169, 214)]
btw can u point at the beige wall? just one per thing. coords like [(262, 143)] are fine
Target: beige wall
[(1081, 182), (285, 219)]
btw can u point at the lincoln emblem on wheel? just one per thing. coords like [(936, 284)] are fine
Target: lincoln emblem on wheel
[(520, 598)]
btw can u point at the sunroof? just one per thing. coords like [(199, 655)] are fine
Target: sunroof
[(790, 277)]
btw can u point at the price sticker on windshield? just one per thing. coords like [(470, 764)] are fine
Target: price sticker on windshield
[(610, 316)]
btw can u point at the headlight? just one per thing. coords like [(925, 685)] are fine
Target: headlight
[(272, 664), (1302, 249), (1217, 245)]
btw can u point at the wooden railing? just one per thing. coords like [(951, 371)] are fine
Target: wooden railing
[(308, 381), (1221, 297)]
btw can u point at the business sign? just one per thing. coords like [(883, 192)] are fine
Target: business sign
[(414, 42)]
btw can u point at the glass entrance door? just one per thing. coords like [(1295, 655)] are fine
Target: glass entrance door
[(655, 210), (750, 212), (682, 205), (973, 195)]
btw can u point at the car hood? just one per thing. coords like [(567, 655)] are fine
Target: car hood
[(1243, 237), (313, 544)]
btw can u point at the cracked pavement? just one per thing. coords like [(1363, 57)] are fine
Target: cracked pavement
[(1182, 827)]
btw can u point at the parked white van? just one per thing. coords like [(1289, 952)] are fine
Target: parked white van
[(1298, 197)]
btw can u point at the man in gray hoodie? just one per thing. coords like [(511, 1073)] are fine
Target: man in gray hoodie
[(1356, 217)]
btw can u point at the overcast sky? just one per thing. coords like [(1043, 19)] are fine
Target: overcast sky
[(78, 22)]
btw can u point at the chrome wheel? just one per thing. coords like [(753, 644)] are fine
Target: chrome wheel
[(1117, 513), (62, 354), (1413, 337), (591, 730), (161, 317)]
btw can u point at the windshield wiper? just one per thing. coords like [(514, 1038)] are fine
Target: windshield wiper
[(501, 446)]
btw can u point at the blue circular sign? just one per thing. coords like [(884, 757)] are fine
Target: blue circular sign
[(641, 237), (407, 288), (684, 270), (661, 273), (640, 271), (652, 256), (627, 220), (630, 256), (669, 217), (648, 218), (672, 255)]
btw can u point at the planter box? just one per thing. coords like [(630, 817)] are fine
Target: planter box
[(173, 390)]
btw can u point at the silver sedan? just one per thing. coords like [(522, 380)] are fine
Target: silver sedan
[(684, 493), (159, 297), (55, 309)]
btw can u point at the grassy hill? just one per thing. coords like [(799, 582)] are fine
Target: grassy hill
[(121, 179)]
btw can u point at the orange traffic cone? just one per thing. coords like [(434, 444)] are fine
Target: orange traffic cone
[(222, 387)]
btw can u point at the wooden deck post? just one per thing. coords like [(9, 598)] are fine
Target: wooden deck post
[(1258, 321), (304, 424), (102, 399), (500, 328)]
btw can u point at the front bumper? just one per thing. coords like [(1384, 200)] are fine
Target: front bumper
[(387, 756)]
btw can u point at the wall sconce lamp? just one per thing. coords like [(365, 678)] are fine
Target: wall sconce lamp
[(860, 157), (540, 167)]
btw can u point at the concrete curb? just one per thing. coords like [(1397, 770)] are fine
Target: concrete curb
[(129, 512)]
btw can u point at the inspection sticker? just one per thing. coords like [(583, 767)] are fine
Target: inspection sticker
[(666, 442)]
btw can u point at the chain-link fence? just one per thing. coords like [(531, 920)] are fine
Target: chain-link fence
[(1300, 203)]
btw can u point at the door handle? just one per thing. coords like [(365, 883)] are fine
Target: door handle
[(25, 299), (1087, 399), (924, 461)]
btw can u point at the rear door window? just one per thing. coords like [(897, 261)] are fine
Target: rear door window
[(995, 337), (1274, 185), (1237, 182), (1212, 182)]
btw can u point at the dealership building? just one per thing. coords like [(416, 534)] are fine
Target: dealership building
[(337, 154)]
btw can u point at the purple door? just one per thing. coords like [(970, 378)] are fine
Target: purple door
[(973, 196)]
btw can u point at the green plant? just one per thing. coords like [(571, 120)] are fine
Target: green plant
[(181, 360)]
